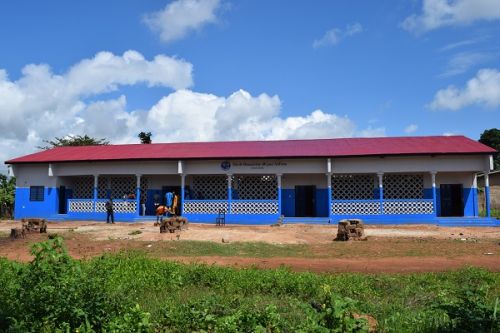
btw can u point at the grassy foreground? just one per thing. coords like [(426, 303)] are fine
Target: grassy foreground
[(129, 292)]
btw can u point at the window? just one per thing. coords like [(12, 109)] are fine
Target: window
[(36, 193)]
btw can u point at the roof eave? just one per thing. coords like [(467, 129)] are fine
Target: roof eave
[(12, 162)]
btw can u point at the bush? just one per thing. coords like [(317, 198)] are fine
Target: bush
[(128, 292)]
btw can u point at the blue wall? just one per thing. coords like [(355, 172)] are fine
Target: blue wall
[(50, 206), (428, 193), (26, 208), (120, 217), (288, 202), (469, 202), (469, 198), (264, 219), (322, 202), (150, 207)]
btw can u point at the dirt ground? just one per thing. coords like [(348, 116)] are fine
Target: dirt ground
[(392, 249)]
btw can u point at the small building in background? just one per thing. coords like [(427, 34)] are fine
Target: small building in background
[(494, 180)]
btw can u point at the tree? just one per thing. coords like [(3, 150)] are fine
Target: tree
[(72, 140), (7, 195), (145, 137), (491, 137)]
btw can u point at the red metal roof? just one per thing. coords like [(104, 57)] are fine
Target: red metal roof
[(263, 149)]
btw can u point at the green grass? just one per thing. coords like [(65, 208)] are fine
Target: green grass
[(187, 248), (128, 292), (371, 249), (493, 212)]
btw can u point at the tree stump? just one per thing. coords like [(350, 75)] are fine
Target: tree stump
[(350, 229), (16, 233)]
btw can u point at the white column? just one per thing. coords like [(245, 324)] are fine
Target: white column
[(474, 195), (183, 193), (434, 192), (278, 177), (138, 195), (487, 193), (229, 192), (381, 191), (329, 187), (96, 184)]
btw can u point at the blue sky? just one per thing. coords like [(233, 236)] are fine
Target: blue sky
[(191, 70)]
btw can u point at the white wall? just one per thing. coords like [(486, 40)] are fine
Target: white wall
[(157, 181), (471, 163), (289, 181), (115, 168), (312, 170), (264, 166), (34, 175), (466, 179)]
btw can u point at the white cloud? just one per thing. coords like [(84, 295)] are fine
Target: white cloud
[(412, 128), (335, 35), (43, 99), (463, 61), (105, 71), (181, 17), (439, 13), (372, 132), (352, 29), (463, 43), (43, 105), (240, 116), (483, 89)]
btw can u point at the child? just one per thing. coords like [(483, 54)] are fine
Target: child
[(160, 212)]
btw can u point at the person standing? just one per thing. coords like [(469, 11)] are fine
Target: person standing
[(160, 212), (143, 204), (168, 199), (109, 211), (175, 205)]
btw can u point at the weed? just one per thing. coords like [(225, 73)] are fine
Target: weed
[(129, 292)]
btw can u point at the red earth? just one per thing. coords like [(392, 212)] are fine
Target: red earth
[(389, 249)]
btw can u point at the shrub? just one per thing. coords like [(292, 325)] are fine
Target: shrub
[(128, 292)]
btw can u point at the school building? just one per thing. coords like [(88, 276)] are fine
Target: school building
[(380, 180)]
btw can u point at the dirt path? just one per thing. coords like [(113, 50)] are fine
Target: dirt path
[(391, 249), (361, 265), (286, 234)]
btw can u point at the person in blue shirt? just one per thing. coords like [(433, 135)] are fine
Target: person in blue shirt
[(168, 199)]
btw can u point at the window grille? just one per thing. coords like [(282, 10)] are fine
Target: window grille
[(118, 206), (398, 186), (255, 187), (102, 187), (209, 187), (408, 207), (83, 187), (37, 193), (353, 187), (254, 207), (144, 188), (204, 207), (127, 187), (81, 206), (121, 186), (356, 208)]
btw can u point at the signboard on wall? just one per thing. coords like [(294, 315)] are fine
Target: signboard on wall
[(255, 166), (259, 165)]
